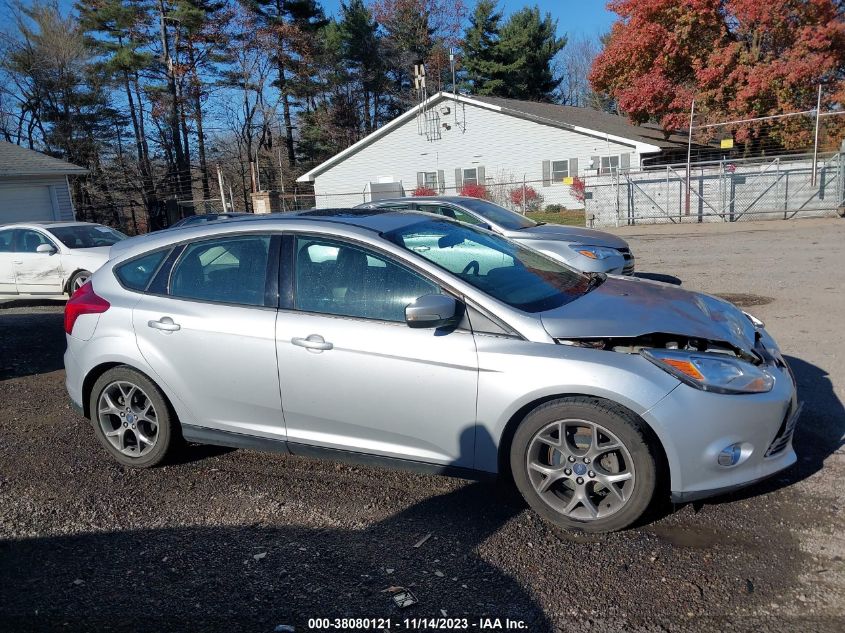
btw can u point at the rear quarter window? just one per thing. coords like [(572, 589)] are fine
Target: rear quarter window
[(137, 273)]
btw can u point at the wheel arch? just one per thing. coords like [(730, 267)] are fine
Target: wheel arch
[(506, 438), (96, 372)]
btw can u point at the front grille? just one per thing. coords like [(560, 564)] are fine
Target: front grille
[(785, 432)]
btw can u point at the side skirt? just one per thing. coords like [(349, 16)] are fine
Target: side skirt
[(202, 435)]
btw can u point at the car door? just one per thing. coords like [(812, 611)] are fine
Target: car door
[(207, 330), (36, 273), (355, 377), (7, 266)]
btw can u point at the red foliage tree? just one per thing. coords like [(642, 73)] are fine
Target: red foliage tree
[(475, 191), (526, 198), (422, 190), (737, 58), (578, 189)]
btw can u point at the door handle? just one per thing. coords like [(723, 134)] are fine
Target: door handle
[(17, 261), (314, 342), (165, 323)]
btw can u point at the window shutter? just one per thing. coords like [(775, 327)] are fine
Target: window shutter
[(625, 162), (480, 173), (459, 180), (441, 181), (547, 173), (573, 167), (596, 163), (420, 178)]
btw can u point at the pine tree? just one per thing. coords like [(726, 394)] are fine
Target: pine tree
[(527, 46), (361, 52), (118, 31), (482, 69)]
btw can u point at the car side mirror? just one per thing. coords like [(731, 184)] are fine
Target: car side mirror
[(45, 248), (432, 311)]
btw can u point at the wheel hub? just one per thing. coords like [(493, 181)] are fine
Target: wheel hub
[(128, 418)]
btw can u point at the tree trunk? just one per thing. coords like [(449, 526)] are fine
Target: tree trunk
[(181, 170), (286, 109), (195, 93)]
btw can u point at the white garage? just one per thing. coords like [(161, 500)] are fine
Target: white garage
[(34, 186)]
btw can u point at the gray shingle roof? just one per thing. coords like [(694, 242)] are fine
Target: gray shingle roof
[(20, 161), (602, 122)]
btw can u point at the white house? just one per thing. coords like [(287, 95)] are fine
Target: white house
[(451, 140), (34, 186)]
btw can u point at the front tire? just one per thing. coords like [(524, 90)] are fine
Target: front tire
[(585, 464), (131, 418)]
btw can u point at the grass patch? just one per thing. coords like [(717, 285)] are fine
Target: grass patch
[(572, 218)]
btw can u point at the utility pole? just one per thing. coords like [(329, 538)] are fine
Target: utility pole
[(816, 141), (220, 182), (689, 154), (452, 65)]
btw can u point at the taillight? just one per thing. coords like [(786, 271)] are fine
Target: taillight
[(83, 301)]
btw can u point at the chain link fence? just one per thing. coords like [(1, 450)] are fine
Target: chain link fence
[(719, 191)]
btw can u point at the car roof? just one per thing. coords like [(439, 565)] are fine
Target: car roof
[(43, 224), (455, 199), (376, 220), (361, 220)]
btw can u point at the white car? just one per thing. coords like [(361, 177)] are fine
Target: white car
[(51, 259)]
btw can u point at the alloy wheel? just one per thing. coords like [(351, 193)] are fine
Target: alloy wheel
[(128, 418), (580, 469), (78, 282)]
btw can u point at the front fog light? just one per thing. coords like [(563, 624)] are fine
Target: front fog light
[(733, 454)]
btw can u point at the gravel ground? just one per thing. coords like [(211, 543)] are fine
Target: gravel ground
[(241, 541)]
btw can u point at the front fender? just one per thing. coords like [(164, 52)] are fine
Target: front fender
[(513, 374)]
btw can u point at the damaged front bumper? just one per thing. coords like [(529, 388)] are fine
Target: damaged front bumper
[(696, 427)]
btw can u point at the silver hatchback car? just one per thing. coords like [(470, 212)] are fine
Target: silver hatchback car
[(416, 341)]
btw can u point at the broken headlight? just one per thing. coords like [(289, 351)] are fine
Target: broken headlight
[(709, 372)]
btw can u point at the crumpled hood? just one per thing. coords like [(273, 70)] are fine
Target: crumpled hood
[(578, 234), (624, 307)]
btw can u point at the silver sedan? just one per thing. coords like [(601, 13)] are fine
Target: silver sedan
[(585, 249), (407, 340)]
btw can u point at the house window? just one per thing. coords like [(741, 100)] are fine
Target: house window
[(470, 177), (609, 165), (430, 180), (560, 170)]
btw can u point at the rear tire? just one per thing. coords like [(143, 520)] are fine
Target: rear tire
[(132, 419), (77, 281), (584, 464)]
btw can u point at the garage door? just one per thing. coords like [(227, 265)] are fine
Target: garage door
[(25, 203)]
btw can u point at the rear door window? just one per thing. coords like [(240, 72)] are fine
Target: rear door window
[(225, 270)]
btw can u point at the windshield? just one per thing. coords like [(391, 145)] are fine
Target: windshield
[(518, 276), (499, 216), (87, 235)]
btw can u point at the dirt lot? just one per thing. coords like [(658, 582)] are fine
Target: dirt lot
[(241, 541)]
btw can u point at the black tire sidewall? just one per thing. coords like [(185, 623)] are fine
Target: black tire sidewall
[(622, 424), (165, 419)]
